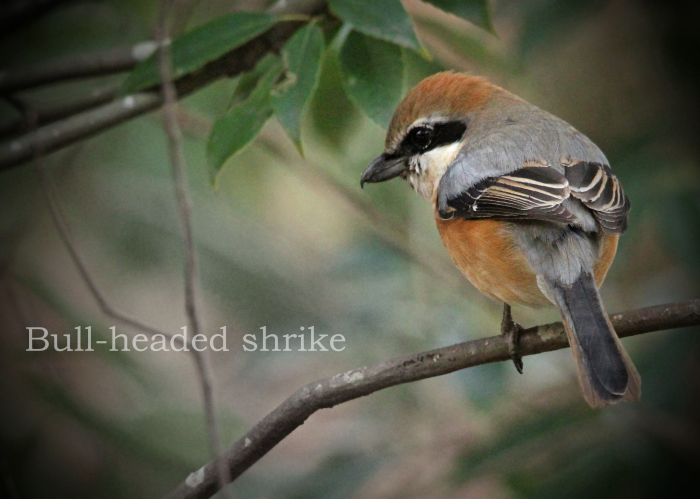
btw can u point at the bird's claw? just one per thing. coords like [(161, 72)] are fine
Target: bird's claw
[(511, 332)]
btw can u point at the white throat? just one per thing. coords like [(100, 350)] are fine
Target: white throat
[(426, 170)]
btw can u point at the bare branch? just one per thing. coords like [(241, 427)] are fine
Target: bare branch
[(54, 112), (63, 133), (191, 274), (357, 383), (82, 66)]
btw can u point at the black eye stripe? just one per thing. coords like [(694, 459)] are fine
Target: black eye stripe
[(424, 138), (448, 133)]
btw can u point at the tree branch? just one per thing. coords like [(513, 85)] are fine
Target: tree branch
[(63, 133), (102, 63), (357, 383), (41, 115)]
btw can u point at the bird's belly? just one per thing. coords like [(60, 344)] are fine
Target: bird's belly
[(486, 252)]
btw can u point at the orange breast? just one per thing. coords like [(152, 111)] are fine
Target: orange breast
[(487, 254)]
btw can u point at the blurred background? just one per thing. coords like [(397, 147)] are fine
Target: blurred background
[(286, 242)]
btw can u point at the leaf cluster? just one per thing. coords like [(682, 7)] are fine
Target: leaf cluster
[(376, 46)]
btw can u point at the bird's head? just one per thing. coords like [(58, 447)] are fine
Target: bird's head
[(428, 130)]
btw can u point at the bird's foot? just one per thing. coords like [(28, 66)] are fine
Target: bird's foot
[(511, 332)]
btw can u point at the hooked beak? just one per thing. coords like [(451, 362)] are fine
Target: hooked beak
[(383, 168)]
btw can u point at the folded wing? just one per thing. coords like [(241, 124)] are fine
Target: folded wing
[(538, 193), (532, 192), (598, 188)]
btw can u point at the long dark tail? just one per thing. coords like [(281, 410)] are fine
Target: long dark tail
[(604, 369)]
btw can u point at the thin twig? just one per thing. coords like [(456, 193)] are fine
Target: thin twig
[(59, 220), (177, 159), (191, 274), (102, 63), (328, 392), (80, 126)]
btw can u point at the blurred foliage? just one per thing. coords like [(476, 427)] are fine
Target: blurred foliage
[(475, 11), (286, 242), (373, 75)]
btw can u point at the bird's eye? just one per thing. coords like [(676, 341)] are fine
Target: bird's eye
[(421, 137)]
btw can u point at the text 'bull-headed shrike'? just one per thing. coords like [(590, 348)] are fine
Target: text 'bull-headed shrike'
[(527, 207)]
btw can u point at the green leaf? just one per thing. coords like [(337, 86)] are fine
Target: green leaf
[(237, 128), (385, 19), (248, 81), (302, 57), (474, 11), (333, 124), (372, 75), (203, 44)]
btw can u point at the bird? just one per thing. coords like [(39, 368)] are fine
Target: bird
[(527, 207)]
